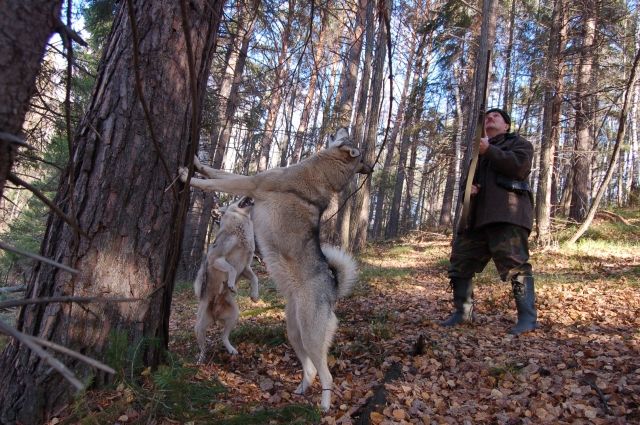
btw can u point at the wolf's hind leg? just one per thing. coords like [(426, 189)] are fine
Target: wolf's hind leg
[(230, 320), (293, 333), (255, 285), (203, 320), (317, 345)]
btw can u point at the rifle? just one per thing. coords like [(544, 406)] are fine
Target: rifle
[(463, 223)]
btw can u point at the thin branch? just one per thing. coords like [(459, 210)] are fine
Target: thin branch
[(12, 138), (37, 257), (64, 299), (71, 353), (10, 289), (52, 361), (70, 221), (67, 34)]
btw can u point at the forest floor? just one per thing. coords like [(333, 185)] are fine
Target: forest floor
[(392, 363)]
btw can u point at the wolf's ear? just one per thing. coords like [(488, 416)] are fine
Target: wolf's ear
[(340, 137), (353, 152)]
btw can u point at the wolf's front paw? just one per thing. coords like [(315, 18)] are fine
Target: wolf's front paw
[(183, 172)]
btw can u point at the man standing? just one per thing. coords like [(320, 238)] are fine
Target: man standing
[(500, 221)]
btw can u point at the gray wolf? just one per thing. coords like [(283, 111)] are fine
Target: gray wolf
[(289, 202), (215, 285)]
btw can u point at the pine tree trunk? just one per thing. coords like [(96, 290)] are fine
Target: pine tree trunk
[(311, 91), (582, 155), (507, 99), (277, 91), (26, 28), (393, 224), (550, 123), (134, 225), (398, 123), (359, 220)]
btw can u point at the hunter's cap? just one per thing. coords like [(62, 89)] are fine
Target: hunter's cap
[(505, 116)]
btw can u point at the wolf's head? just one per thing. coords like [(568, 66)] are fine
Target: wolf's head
[(350, 154)]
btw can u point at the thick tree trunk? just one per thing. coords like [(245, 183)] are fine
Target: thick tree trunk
[(26, 28), (134, 225), (582, 155)]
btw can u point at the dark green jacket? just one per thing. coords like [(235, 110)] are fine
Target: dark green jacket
[(502, 174)]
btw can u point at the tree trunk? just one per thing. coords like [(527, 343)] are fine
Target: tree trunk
[(26, 28), (507, 99), (349, 77), (393, 224), (134, 225), (582, 153), (486, 39), (359, 220), (277, 91), (550, 123), (316, 65), (384, 184), (622, 121)]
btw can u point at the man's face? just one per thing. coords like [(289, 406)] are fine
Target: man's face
[(494, 124)]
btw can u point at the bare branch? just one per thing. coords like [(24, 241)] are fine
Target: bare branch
[(67, 33), (52, 361), (71, 353), (64, 299), (71, 222), (10, 289), (12, 138), (37, 257)]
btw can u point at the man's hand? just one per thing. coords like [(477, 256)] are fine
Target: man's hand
[(475, 188), (484, 145)]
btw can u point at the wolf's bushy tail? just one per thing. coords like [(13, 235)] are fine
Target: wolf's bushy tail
[(345, 268)]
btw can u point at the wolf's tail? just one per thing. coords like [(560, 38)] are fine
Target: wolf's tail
[(344, 267)]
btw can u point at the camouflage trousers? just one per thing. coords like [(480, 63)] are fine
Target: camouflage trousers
[(506, 244)]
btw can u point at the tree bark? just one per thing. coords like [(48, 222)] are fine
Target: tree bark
[(393, 224), (359, 220), (384, 184), (134, 224), (26, 28), (550, 123), (316, 64), (622, 121), (277, 91), (582, 154)]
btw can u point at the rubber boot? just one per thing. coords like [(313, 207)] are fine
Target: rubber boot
[(462, 301), (524, 294)]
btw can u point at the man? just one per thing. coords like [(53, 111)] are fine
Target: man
[(500, 221)]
